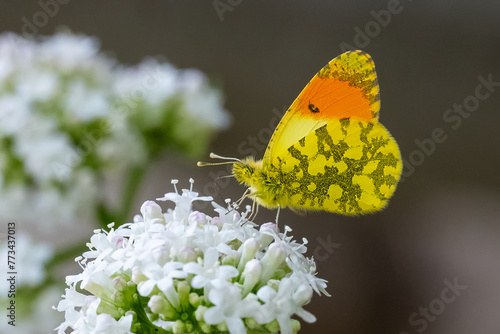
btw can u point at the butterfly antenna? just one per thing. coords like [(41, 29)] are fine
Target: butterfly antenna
[(216, 156)]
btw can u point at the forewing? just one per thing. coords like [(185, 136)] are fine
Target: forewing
[(347, 166), (346, 87)]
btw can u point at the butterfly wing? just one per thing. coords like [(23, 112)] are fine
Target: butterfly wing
[(346, 166), (329, 152), (346, 87)]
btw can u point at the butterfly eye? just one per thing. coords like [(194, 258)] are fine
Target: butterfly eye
[(313, 108)]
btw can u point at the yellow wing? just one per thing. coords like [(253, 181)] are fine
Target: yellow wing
[(346, 166), (346, 87)]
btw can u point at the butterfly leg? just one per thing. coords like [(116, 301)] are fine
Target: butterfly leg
[(245, 195), (277, 216), (255, 210)]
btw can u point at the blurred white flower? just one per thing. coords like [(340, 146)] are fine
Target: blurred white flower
[(14, 114), (38, 86), (187, 272), (84, 103), (30, 259), (70, 117), (69, 50), (33, 305), (34, 314), (38, 144)]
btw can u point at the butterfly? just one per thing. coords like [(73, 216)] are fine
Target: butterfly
[(329, 152)]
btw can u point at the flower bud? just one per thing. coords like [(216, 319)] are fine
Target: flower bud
[(118, 298), (222, 327), (251, 275), (205, 328), (160, 305), (138, 276), (248, 250), (161, 254), (295, 325), (303, 294), (179, 327), (189, 326), (194, 299), (183, 289), (251, 323), (151, 211), (157, 304), (273, 326), (198, 218), (199, 313), (217, 221), (187, 254), (272, 260), (265, 238), (119, 283)]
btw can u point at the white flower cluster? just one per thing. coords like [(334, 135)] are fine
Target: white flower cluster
[(69, 115), (186, 272)]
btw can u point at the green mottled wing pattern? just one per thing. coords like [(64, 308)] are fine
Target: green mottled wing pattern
[(347, 166)]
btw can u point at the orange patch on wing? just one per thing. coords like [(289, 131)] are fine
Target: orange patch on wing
[(325, 98)]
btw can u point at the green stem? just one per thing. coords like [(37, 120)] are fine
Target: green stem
[(120, 216), (66, 254), (134, 180), (146, 326)]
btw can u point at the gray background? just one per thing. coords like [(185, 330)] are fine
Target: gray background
[(444, 221)]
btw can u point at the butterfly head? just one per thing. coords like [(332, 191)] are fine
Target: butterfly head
[(248, 171)]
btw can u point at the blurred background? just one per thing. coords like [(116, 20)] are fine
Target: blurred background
[(430, 262)]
